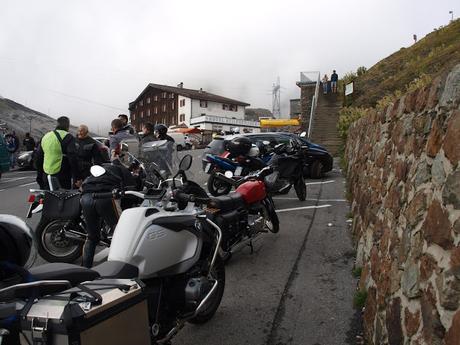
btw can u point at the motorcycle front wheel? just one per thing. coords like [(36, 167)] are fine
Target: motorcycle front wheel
[(217, 187), (271, 218), (52, 243), (300, 188), (218, 272)]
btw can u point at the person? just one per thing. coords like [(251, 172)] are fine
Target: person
[(28, 142), (57, 156), (88, 152), (161, 133), (126, 125), (119, 134), (325, 81), (11, 147), (334, 80), (116, 176), (148, 133)]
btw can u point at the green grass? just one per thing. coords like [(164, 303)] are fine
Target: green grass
[(359, 300), (436, 53), (356, 272)]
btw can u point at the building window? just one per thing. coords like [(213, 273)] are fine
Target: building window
[(233, 107), (148, 100), (225, 106), (172, 105), (171, 95), (155, 98), (142, 114), (163, 107), (203, 104), (148, 112), (164, 94), (182, 103), (133, 117), (155, 110), (182, 118), (141, 103)]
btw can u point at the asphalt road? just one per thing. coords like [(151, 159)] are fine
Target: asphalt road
[(296, 288)]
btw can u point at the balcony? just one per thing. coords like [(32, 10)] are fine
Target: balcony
[(223, 121)]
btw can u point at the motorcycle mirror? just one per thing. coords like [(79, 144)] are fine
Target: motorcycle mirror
[(228, 174), (303, 134), (97, 170), (185, 163)]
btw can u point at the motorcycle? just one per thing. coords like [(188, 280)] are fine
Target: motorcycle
[(244, 214), (239, 166), (171, 248)]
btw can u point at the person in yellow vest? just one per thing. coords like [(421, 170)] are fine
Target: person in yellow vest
[(57, 157)]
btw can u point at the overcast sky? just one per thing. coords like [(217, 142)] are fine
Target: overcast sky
[(88, 59)]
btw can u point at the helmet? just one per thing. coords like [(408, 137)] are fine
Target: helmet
[(239, 146), (15, 240), (161, 129), (254, 151)]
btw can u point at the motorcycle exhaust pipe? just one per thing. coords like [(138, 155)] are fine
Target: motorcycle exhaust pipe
[(76, 236)]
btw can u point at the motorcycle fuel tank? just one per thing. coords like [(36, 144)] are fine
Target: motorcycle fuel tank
[(252, 191), (156, 241)]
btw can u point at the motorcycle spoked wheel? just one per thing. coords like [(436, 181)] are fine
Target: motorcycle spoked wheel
[(53, 245), (218, 272), (300, 188), (217, 187), (272, 222)]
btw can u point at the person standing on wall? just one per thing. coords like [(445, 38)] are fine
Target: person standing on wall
[(325, 80), (57, 156), (334, 80)]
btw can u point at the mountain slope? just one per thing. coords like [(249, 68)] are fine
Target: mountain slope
[(19, 118), (439, 51)]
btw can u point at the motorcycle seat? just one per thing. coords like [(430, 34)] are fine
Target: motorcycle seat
[(228, 202), (61, 271), (116, 269)]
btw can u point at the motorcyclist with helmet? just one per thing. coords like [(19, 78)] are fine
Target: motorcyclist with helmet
[(161, 133), (115, 176)]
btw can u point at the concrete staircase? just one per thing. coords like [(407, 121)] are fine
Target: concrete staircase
[(324, 129)]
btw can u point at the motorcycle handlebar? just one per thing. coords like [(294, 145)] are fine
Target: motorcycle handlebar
[(104, 195), (184, 197)]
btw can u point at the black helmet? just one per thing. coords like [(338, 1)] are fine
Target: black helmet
[(239, 146), (15, 240), (161, 129)]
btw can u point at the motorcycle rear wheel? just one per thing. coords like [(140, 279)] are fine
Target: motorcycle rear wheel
[(217, 187), (52, 245), (300, 188), (213, 304), (273, 223)]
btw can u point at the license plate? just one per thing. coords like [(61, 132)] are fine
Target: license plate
[(207, 168), (238, 171)]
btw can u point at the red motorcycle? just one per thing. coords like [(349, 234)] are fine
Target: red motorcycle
[(242, 215)]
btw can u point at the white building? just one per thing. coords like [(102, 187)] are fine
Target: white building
[(194, 108)]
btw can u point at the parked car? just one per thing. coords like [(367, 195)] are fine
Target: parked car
[(318, 161), (25, 159)]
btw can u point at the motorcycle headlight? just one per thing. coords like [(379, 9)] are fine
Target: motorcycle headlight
[(24, 156)]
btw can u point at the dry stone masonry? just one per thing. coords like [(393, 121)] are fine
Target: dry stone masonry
[(404, 178)]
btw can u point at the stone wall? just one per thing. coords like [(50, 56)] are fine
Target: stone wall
[(404, 178)]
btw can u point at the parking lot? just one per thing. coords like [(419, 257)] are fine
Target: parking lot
[(296, 288)]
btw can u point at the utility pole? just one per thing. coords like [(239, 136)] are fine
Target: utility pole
[(30, 124), (276, 97), (451, 16)]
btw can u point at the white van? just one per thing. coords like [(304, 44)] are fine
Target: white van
[(180, 141)]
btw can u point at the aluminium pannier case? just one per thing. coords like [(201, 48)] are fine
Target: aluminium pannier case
[(99, 312)]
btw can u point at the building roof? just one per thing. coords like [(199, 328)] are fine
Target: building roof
[(190, 93)]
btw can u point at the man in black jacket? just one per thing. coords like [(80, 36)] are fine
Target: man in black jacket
[(126, 126), (29, 142), (88, 151)]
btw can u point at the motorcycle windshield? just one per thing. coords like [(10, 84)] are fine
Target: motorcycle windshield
[(160, 155)]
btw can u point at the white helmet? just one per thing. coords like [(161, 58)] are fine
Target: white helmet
[(254, 151)]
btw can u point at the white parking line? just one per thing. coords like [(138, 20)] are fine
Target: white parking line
[(301, 208), (321, 182), (27, 184), (311, 199), (13, 179)]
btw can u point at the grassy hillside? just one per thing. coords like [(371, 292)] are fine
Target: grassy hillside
[(432, 55)]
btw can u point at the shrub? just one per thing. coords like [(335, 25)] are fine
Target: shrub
[(359, 299), (347, 116), (360, 71)]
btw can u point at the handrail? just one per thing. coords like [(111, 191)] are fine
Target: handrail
[(313, 105)]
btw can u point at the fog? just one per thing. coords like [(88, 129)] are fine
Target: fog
[(89, 59)]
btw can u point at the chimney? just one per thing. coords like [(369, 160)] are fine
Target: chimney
[(180, 85)]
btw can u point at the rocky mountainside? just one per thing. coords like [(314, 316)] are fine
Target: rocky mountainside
[(18, 118)]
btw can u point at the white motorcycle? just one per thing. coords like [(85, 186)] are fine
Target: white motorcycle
[(173, 251)]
